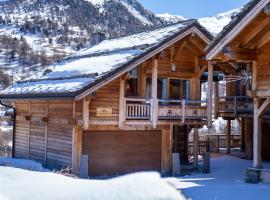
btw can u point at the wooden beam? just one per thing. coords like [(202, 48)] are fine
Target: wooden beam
[(29, 130), (263, 40), (254, 76), (216, 84), (210, 94), (141, 81), (46, 134), (257, 161), (202, 70), (195, 147), (74, 142), (122, 103), (178, 51), (250, 35), (154, 93), (263, 108), (228, 137), (86, 113), (239, 54)]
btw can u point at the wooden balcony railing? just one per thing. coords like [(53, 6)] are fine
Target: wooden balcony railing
[(141, 109), (138, 108), (235, 105)]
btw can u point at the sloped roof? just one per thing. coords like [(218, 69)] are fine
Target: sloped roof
[(235, 20), (85, 69)]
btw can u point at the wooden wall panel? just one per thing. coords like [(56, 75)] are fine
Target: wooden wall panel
[(55, 150), (106, 97)]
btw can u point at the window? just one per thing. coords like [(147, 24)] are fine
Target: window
[(132, 83), (179, 89)]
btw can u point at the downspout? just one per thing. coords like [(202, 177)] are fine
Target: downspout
[(14, 125)]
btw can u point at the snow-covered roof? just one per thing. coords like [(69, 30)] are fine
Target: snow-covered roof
[(88, 67)]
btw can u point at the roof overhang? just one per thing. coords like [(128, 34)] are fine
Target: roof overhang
[(234, 28)]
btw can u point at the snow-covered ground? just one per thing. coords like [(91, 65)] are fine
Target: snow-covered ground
[(226, 182), (16, 184)]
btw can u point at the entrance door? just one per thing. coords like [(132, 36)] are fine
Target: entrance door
[(180, 142)]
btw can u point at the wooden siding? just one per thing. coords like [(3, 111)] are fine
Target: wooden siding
[(44, 132), (106, 97)]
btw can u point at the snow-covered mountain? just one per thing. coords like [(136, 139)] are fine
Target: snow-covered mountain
[(38, 32), (171, 18), (35, 33), (216, 23)]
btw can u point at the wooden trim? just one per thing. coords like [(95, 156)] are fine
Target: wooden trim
[(74, 142)]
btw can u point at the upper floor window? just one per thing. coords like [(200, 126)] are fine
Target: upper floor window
[(132, 83)]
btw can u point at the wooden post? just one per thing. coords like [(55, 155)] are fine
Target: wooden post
[(254, 76), (122, 103), (85, 113), (29, 131), (46, 134), (216, 100), (195, 147), (154, 93), (257, 163), (210, 93), (228, 137), (141, 81), (74, 140)]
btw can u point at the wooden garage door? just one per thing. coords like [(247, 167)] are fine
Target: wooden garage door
[(112, 153)]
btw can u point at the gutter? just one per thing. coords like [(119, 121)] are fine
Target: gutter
[(14, 125)]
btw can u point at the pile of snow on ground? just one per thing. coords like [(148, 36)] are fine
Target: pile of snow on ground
[(40, 185)]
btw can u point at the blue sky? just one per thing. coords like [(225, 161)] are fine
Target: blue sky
[(192, 8)]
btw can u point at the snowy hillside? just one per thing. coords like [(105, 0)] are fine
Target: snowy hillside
[(35, 33), (216, 23), (171, 18)]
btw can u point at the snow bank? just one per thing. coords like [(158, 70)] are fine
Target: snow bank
[(23, 164), (39, 186)]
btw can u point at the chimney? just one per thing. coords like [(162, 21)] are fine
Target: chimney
[(98, 37)]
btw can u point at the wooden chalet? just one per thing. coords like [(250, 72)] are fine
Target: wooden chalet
[(127, 103), (241, 53)]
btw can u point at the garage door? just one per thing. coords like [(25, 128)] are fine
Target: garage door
[(113, 153)]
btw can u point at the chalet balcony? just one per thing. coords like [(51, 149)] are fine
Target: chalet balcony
[(235, 106), (142, 109)]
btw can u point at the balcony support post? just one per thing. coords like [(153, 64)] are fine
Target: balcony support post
[(154, 94), (257, 136), (216, 100), (210, 94), (228, 137), (195, 147), (122, 103)]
